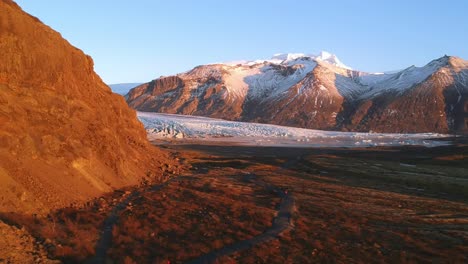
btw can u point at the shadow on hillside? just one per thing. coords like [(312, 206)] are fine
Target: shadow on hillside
[(68, 234), (456, 106)]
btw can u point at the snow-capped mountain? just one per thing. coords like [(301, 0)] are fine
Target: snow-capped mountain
[(317, 91)]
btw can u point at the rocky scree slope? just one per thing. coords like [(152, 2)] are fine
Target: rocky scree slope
[(64, 136)]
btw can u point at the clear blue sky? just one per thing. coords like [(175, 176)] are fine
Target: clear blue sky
[(139, 40)]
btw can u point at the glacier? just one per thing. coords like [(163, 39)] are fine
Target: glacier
[(204, 130)]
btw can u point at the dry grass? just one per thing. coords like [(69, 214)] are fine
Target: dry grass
[(192, 216), (385, 205)]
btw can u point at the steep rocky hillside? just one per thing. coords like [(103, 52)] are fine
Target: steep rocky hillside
[(64, 136)]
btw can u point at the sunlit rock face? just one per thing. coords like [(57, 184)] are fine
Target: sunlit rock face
[(64, 136)]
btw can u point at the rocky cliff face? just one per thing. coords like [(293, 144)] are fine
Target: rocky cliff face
[(435, 104), (312, 92), (64, 136)]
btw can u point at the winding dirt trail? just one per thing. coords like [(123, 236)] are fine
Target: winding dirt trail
[(281, 223), (105, 241)]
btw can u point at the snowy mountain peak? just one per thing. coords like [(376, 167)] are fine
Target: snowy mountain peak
[(287, 56), (323, 56), (450, 61), (326, 56), (330, 59), (291, 58), (457, 62)]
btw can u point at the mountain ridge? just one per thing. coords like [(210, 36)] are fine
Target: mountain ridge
[(310, 92)]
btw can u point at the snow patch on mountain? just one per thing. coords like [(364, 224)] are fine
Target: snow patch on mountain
[(400, 81), (292, 58), (275, 81), (285, 57), (330, 59), (236, 80), (258, 79)]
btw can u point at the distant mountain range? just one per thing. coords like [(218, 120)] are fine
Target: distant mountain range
[(123, 88), (317, 91)]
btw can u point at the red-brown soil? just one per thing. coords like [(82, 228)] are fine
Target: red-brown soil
[(18, 246), (400, 205), (64, 136)]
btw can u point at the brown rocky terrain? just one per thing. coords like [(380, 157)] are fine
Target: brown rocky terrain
[(18, 246), (310, 93), (351, 205), (64, 136)]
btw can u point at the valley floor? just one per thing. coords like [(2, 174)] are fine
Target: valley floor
[(244, 204)]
